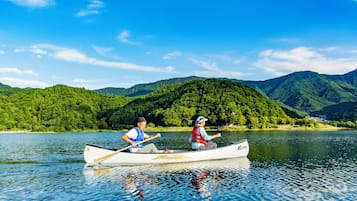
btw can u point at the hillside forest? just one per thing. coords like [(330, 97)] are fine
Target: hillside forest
[(227, 103)]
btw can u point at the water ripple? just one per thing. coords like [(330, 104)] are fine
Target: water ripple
[(281, 166)]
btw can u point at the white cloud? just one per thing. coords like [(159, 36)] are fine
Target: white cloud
[(73, 55), (327, 49), (34, 50), (23, 83), (171, 55), (33, 3), (18, 71), (209, 65), (2, 52), (99, 84), (280, 62), (213, 70), (124, 38), (105, 52), (102, 50), (227, 58), (92, 8)]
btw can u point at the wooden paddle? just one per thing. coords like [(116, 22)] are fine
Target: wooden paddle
[(120, 150)]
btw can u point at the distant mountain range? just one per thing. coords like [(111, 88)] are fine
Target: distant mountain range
[(304, 91), (143, 89), (8, 90), (309, 92)]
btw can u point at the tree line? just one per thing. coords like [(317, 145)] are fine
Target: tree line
[(225, 103), (61, 108)]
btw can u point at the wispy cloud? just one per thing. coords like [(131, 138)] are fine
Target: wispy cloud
[(124, 38), (171, 55), (33, 3), (17, 71), (23, 83), (73, 55), (227, 58), (93, 8), (105, 51), (2, 52), (209, 65), (280, 62), (213, 70), (98, 84)]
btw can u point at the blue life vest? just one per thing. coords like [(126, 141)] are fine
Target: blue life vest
[(139, 137)]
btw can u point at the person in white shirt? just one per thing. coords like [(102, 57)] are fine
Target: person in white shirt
[(136, 135)]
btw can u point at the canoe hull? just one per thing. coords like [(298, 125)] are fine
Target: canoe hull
[(238, 149)]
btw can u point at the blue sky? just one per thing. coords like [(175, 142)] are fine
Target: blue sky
[(120, 43)]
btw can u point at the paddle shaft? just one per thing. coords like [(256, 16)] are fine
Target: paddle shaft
[(120, 150)]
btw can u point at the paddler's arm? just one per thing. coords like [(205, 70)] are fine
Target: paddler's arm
[(151, 136), (126, 139), (215, 136)]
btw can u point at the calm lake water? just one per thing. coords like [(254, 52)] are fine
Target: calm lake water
[(280, 166)]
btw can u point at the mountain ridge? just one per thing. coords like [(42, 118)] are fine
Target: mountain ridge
[(305, 91)]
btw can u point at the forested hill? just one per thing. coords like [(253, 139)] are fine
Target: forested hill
[(143, 89), (304, 91), (7, 90), (57, 108), (309, 91), (346, 111), (223, 101)]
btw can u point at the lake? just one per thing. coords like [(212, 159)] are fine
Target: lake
[(294, 165)]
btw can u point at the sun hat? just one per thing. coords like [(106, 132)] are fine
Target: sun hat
[(200, 119)]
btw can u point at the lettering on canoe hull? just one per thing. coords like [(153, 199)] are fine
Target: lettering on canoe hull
[(240, 147), (172, 157)]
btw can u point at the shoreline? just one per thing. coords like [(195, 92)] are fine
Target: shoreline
[(189, 129)]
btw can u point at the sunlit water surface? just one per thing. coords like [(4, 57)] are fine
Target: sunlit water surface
[(280, 166)]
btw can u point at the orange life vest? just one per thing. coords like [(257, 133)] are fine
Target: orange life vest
[(196, 137)]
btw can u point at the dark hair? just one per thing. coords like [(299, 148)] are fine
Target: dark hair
[(140, 119)]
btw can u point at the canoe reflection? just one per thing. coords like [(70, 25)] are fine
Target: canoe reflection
[(199, 184), (189, 179), (134, 185)]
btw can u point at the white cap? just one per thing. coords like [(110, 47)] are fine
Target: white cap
[(200, 119)]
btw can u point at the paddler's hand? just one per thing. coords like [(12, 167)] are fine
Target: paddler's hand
[(158, 135), (218, 134)]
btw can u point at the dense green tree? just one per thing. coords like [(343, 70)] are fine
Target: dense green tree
[(224, 102), (58, 108)]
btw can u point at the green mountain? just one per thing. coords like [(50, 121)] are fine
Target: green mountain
[(175, 102), (309, 91), (143, 89), (8, 91), (302, 91), (346, 111), (222, 101), (57, 108)]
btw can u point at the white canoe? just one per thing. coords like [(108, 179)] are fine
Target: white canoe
[(92, 152)]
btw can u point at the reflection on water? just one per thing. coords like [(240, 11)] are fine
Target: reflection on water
[(195, 180), (281, 166)]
